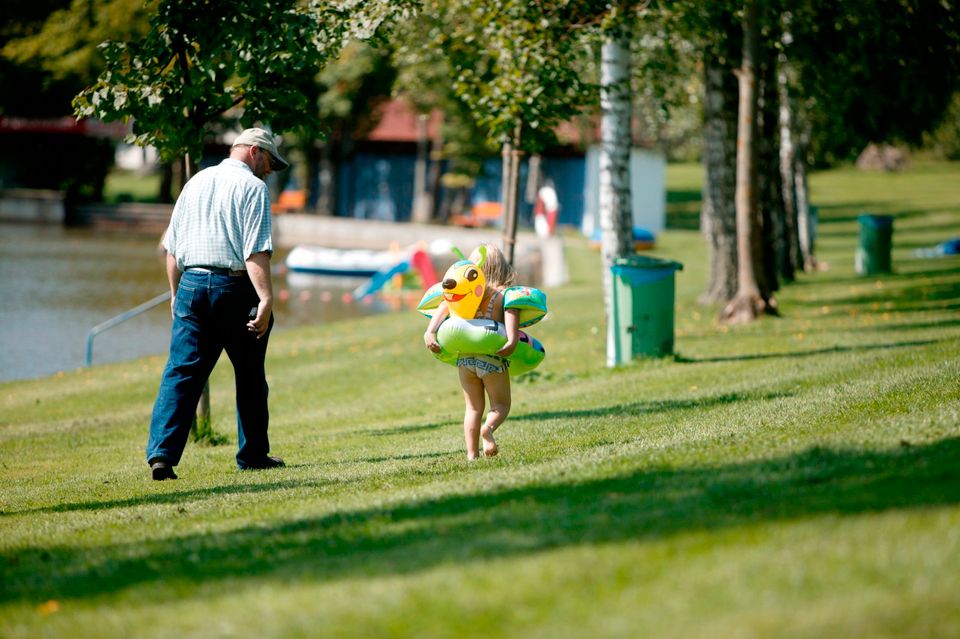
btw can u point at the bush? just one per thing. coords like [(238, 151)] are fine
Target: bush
[(944, 142)]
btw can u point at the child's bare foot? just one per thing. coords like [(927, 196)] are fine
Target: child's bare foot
[(489, 443)]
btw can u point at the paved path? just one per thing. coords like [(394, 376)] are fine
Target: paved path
[(290, 229)]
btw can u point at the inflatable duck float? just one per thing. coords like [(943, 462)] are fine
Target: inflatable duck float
[(462, 289)]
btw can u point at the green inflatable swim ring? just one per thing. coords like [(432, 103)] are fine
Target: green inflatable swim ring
[(458, 336)]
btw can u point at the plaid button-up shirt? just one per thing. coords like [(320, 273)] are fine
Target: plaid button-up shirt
[(221, 218)]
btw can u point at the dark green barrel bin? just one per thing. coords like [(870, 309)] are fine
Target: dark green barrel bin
[(643, 300), (876, 240)]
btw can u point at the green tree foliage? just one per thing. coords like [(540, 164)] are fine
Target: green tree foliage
[(66, 45), (29, 89), (874, 70), (352, 85), (513, 65), (205, 64), (945, 140), (424, 81)]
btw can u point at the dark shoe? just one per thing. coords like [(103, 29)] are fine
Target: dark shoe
[(162, 470), (266, 462)]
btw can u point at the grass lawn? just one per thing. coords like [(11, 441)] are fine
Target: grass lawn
[(131, 186), (797, 477)]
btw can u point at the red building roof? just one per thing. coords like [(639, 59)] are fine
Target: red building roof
[(398, 123)]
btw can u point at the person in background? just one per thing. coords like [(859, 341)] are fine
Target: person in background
[(219, 246)]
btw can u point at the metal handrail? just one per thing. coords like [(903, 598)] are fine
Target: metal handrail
[(119, 319)]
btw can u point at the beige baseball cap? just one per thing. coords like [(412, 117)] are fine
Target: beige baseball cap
[(263, 139)]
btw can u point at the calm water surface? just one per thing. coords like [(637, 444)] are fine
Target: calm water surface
[(56, 284)]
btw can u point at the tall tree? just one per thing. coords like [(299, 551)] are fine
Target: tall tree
[(346, 94), (513, 65), (424, 80), (750, 300), (616, 137), (721, 45)]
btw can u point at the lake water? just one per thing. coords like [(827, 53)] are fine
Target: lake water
[(56, 284)]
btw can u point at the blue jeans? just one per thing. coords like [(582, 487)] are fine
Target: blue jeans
[(210, 315)]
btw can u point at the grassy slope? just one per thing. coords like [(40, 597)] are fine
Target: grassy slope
[(797, 477)]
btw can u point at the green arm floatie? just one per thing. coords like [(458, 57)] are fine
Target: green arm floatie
[(531, 302), (431, 300)]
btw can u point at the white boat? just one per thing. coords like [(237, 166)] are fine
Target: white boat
[(320, 260)]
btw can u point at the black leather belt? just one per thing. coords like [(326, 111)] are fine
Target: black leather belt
[(218, 270)]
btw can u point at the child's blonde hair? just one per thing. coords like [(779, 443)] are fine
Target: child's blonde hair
[(498, 271)]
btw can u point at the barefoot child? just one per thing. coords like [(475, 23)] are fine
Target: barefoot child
[(484, 374)]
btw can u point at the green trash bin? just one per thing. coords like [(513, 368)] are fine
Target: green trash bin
[(643, 298), (876, 239)]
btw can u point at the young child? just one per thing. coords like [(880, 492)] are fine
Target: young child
[(479, 373)]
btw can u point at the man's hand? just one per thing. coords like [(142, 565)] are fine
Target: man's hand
[(261, 322), (258, 269)]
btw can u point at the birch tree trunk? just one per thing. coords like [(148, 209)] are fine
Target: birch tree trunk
[(616, 222), (805, 222), (748, 303), (787, 169)]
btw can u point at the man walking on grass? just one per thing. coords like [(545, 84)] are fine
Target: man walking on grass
[(218, 247)]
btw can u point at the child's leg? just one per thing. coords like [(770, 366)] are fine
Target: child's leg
[(474, 400), (498, 389)]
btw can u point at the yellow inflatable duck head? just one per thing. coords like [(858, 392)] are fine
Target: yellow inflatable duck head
[(463, 285)]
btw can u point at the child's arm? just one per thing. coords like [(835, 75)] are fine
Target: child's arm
[(430, 336), (511, 320)]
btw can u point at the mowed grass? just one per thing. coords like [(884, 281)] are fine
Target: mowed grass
[(796, 477)]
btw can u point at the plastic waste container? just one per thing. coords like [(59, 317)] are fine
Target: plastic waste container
[(873, 251), (643, 300)]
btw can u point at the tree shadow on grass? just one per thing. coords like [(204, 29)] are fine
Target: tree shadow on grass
[(941, 296), (683, 209), (160, 499), (647, 503), (810, 353), (411, 428), (825, 216), (635, 409), (934, 272)]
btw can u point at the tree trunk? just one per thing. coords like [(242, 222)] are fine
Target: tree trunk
[(511, 184), (616, 219), (433, 176), (421, 201), (805, 221), (774, 247), (718, 220), (311, 156), (200, 429), (326, 181), (748, 303), (787, 159), (165, 193)]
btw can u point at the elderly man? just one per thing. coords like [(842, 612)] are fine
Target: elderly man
[(218, 263)]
